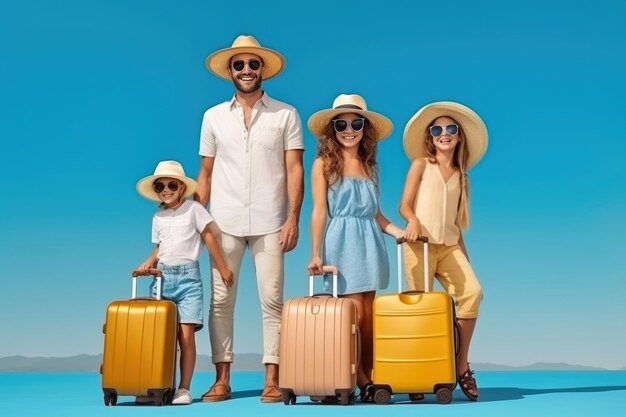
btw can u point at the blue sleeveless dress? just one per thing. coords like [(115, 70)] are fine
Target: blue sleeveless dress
[(354, 242)]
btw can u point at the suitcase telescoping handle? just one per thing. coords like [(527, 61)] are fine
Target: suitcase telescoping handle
[(402, 240), (150, 272), (326, 269)]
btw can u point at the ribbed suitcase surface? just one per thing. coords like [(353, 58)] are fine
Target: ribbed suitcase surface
[(139, 349), (414, 342), (318, 348)]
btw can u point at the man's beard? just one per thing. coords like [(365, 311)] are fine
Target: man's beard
[(254, 87)]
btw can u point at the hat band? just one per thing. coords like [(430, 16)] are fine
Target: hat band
[(349, 106)]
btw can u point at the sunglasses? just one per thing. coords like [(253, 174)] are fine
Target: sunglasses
[(438, 130), (240, 64), (341, 125), (159, 186)]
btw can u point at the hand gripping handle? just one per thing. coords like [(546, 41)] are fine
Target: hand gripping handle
[(326, 269), (402, 240)]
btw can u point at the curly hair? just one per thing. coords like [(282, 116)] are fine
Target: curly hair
[(459, 161), (329, 150)]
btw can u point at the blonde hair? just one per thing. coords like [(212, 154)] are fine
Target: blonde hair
[(459, 161)]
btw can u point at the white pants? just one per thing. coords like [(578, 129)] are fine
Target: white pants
[(270, 271)]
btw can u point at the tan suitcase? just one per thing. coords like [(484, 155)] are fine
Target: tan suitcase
[(414, 342), (319, 347), (140, 347)]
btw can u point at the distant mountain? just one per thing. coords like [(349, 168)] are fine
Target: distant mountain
[(243, 362), (48, 364), (91, 363), (537, 366)]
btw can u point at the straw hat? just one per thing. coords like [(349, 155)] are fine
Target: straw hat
[(350, 103), (273, 61), (473, 127), (169, 169)]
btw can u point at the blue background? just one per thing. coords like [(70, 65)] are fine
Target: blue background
[(94, 93), (514, 394)]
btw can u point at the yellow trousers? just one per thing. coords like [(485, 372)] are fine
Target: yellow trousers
[(453, 271)]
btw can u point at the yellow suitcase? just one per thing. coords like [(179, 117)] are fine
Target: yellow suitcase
[(139, 355), (414, 342)]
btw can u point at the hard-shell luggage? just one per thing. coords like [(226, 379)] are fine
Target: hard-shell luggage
[(319, 346), (415, 340), (139, 357)]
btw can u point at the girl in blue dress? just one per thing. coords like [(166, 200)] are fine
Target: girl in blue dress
[(345, 191)]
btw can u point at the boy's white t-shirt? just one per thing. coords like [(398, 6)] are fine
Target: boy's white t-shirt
[(178, 232)]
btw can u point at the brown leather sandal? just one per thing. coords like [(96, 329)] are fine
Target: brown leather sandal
[(218, 392), (271, 394), (467, 383)]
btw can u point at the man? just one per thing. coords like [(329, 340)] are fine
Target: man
[(252, 174)]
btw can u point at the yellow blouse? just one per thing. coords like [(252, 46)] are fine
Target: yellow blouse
[(437, 205)]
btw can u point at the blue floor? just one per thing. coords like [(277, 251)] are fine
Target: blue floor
[(510, 394)]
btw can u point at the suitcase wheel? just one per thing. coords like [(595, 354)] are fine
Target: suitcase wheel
[(161, 399), (416, 397), (168, 397), (110, 398), (444, 395), (346, 399), (382, 396), (289, 397)]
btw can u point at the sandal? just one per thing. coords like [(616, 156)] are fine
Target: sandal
[(467, 383), (271, 394), (367, 393), (218, 392)]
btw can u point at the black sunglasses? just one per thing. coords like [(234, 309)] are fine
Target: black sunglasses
[(438, 130), (341, 124), (159, 186), (239, 65)]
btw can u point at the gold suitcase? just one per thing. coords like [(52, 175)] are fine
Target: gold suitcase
[(139, 357), (414, 342)]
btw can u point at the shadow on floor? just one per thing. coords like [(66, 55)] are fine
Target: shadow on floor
[(511, 393)]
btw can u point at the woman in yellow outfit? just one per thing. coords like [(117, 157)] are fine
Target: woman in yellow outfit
[(444, 140)]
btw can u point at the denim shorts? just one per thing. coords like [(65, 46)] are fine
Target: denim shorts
[(183, 285)]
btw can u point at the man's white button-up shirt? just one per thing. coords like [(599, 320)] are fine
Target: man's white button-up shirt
[(249, 178)]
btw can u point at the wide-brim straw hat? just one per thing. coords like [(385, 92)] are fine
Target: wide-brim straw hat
[(273, 61), (166, 169), (350, 103), (473, 127)]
